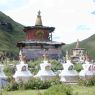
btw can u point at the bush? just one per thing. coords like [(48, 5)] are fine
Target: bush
[(37, 84), (31, 84), (9, 71), (60, 89), (87, 82), (34, 66), (55, 81), (11, 86), (78, 67), (34, 83), (56, 65)]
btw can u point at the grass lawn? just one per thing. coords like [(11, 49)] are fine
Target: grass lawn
[(77, 90), (82, 90), (24, 92)]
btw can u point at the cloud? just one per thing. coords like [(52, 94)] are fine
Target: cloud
[(93, 12), (83, 28), (11, 4)]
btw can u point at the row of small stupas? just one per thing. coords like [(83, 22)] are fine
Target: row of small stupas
[(67, 75), (39, 41)]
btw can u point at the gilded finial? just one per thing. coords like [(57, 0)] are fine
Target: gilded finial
[(39, 12)]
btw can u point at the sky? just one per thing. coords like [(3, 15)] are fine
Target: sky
[(72, 19)]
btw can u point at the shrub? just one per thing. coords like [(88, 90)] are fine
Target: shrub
[(38, 84), (56, 65), (31, 84), (87, 82), (34, 66), (9, 71), (55, 81), (11, 86), (60, 89), (34, 83), (78, 67), (21, 85)]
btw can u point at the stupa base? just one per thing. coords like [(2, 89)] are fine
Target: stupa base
[(22, 79), (87, 77), (69, 79), (45, 78)]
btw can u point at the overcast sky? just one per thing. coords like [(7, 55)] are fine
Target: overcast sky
[(73, 19)]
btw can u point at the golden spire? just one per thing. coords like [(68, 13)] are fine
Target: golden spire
[(77, 44), (38, 20)]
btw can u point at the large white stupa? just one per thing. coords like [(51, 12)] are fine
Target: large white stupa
[(3, 77), (45, 73), (68, 74), (22, 73)]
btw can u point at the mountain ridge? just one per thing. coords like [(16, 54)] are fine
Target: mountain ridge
[(10, 33)]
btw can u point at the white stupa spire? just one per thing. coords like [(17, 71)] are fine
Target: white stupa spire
[(21, 57), (20, 52)]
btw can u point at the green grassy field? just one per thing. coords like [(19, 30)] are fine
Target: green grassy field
[(77, 90), (82, 90), (24, 92)]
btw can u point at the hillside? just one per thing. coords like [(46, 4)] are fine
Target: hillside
[(88, 43), (10, 33)]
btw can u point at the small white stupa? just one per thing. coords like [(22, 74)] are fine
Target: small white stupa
[(3, 77), (88, 70), (45, 73), (68, 74), (22, 73)]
